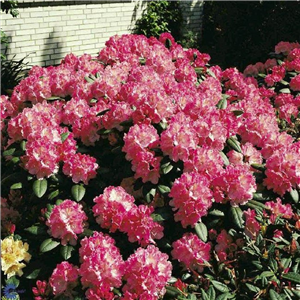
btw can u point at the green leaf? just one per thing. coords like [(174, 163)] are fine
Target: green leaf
[(255, 204), (40, 187), (163, 189), (237, 216), (9, 152), (48, 245), (150, 195), (294, 195), (221, 287), (64, 136), (211, 293), (291, 276), (53, 98), (216, 212), (225, 158), (259, 167), (23, 145), (234, 144), (211, 73), (222, 104), (36, 230), (66, 251), (166, 168), (223, 296), (204, 295), (162, 214), (16, 186), (252, 288), (285, 91), (237, 113), (274, 295), (53, 194), (34, 274), (78, 192), (172, 291), (201, 231), (88, 79)]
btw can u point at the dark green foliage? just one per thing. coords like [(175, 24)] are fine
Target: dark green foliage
[(237, 33), (159, 17), (12, 72)]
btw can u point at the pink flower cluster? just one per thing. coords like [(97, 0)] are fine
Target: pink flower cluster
[(191, 198), (115, 210), (102, 266), (63, 279), (66, 221), (236, 184), (147, 272), (283, 169), (191, 252), (278, 209), (138, 144), (226, 247)]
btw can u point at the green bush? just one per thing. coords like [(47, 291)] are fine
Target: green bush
[(159, 17)]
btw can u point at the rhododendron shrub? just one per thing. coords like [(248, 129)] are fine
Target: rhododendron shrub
[(146, 173)]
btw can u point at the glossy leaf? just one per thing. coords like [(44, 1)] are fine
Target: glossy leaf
[(274, 295), (48, 245), (16, 186), (237, 216), (40, 187), (35, 230), (163, 189), (234, 144), (201, 231), (221, 287), (78, 192), (291, 276), (66, 251)]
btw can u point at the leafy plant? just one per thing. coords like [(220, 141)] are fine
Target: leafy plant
[(12, 72), (158, 17)]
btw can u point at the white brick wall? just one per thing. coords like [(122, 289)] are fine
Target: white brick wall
[(52, 29)]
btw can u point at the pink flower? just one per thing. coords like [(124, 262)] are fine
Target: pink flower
[(41, 291), (66, 221), (6, 108), (147, 272), (252, 227), (285, 47), (287, 111), (295, 83), (250, 155), (81, 167), (140, 226), (41, 158), (236, 185), (184, 71), (112, 207), (64, 278), (191, 251), (147, 166), (278, 209), (102, 266), (179, 138), (283, 169), (191, 198), (138, 138), (225, 247), (278, 73), (206, 161)]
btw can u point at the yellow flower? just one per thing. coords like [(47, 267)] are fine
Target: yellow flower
[(12, 253)]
